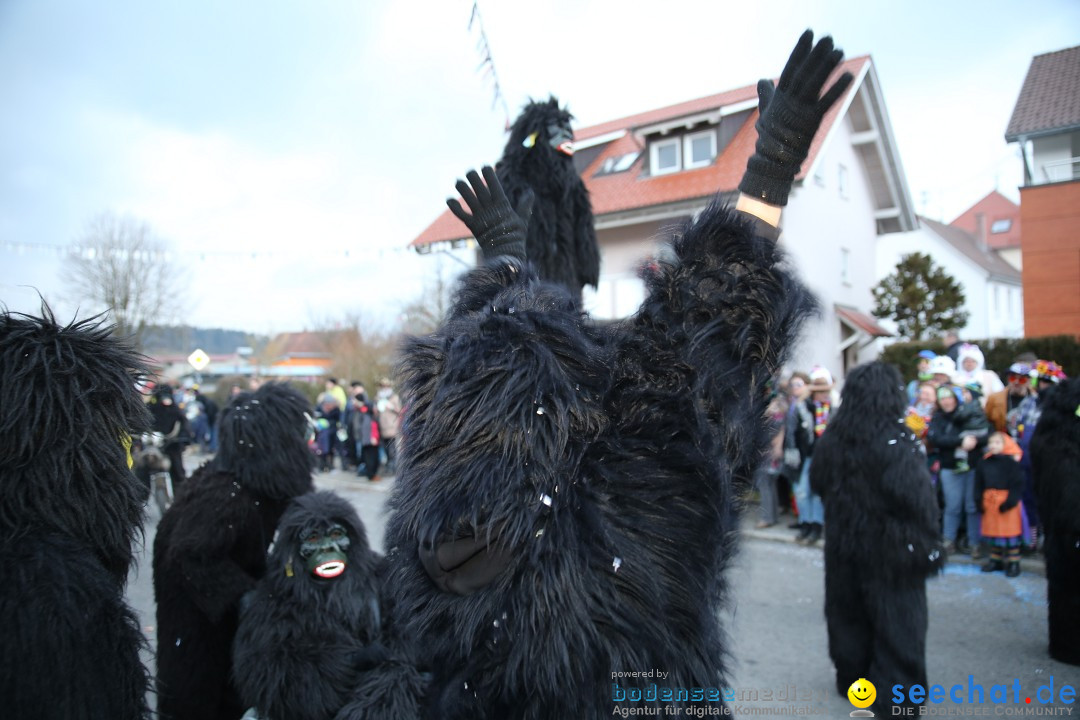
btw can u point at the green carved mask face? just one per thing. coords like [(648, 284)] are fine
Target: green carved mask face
[(324, 549)]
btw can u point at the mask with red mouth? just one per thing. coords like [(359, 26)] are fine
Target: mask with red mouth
[(324, 549), (561, 138)]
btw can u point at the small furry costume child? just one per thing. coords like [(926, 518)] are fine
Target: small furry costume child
[(999, 483), (537, 168), (1055, 456), (881, 540), (211, 546), (565, 504), (70, 509), (312, 624)]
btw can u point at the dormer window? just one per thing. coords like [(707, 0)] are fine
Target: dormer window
[(699, 149), (665, 156), (1001, 226)]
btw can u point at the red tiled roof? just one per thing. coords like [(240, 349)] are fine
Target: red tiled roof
[(862, 321), (1050, 97), (994, 207), (629, 190)]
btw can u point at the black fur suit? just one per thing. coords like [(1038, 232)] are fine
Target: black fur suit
[(586, 475), (307, 632), (70, 509), (1055, 456), (881, 534), (211, 547), (562, 240)]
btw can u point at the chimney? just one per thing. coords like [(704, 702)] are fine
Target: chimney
[(980, 231)]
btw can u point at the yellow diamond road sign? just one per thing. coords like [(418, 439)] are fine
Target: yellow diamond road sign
[(199, 360)]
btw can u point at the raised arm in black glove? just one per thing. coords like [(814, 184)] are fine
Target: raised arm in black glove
[(790, 116), (498, 228)]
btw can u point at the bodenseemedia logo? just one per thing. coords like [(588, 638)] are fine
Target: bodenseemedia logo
[(1008, 699)]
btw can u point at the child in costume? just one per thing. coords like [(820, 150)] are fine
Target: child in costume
[(999, 483)]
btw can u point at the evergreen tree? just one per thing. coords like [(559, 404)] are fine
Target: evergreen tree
[(921, 298)]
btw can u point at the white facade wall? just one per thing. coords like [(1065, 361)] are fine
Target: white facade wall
[(1056, 151), (824, 230), (1005, 310), (995, 308), (622, 250)]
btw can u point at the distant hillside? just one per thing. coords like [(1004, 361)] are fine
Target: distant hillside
[(213, 341)]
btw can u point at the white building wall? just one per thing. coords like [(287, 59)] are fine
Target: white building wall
[(824, 227), (971, 277), (1056, 151)]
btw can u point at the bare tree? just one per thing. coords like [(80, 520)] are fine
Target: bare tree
[(359, 348), (423, 314), (118, 265)]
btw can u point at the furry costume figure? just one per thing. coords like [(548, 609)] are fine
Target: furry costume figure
[(313, 622), (1055, 455), (537, 161), (211, 546), (70, 509), (881, 534), (565, 507)]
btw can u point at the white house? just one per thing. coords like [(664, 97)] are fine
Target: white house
[(993, 292)]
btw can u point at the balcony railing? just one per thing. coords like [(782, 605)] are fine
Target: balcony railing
[(1060, 171)]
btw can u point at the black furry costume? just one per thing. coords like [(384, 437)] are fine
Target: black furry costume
[(211, 547), (590, 470), (565, 506), (70, 509), (561, 237), (1055, 456), (304, 639), (881, 535)]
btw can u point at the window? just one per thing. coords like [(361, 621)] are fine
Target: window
[(1001, 226), (819, 177), (845, 257), (699, 149), (625, 161), (664, 156), (841, 181)]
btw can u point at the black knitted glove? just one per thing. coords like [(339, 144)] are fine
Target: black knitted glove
[(496, 226), (790, 116)]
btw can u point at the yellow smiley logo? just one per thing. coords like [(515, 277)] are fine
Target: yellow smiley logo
[(862, 693)]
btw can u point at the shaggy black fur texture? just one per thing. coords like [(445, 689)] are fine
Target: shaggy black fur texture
[(881, 534), (1055, 456), (70, 509), (561, 242), (596, 464), (211, 547), (303, 641)]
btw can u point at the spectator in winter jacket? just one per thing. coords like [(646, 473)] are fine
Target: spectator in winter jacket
[(958, 433)]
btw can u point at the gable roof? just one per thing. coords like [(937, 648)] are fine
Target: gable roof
[(1049, 101), (630, 190), (995, 208), (966, 243)]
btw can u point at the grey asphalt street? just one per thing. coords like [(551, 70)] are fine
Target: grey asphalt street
[(985, 629)]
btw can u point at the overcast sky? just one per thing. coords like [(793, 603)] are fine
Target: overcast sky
[(289, 151)]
